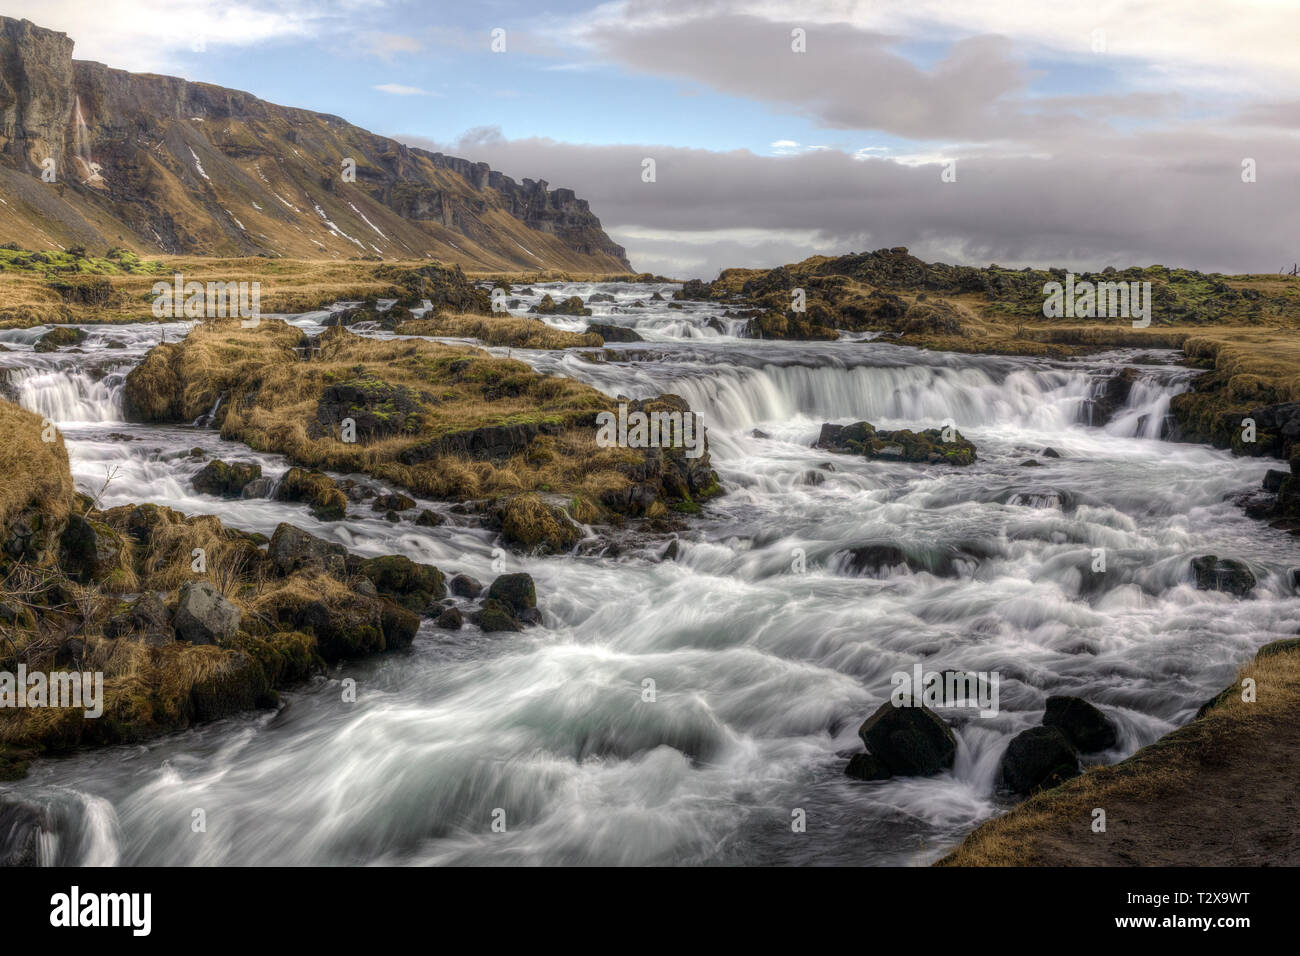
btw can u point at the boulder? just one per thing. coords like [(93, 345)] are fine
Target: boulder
[(462, 585), (1037, 758), (450, 619), (429, 519), (225, 480), (1213, 573), (614, 333), (910, 740), (315, 489), (91, 551), (59, 337), (867, 767), (1086, 727), (412, 585), (146, 619), (392, 502), (203, 616), (292, 549), (516, 591), (495, 616)]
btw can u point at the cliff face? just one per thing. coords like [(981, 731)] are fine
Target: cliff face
[(162, 165)]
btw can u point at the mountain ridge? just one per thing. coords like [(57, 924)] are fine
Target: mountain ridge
[(160, 164)]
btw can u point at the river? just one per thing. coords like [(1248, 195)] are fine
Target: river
[(766, 649)]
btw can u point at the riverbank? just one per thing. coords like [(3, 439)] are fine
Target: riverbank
[(1222, 790)]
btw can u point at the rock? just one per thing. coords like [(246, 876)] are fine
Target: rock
[(600, 297), (928, 446), (880, 559), (413, 586), (1051, 453), (59, 337), (258, 488), (671, 552), (1273, 479), (571, 306), (392, 516), (399, 625), (909, 740), (1031, 463), (1112, 396), (1086, 727), (292, 549), (867, 767), (516, 591), (450, 619), (203, 616), (614, 333), (429, 519), (1222, 574), (146, 620), (495, 616), (1037, 758), (377, 409), (462, 585), (225, 480), (317, 490), (530, 523), (392, 502), (91, 552)]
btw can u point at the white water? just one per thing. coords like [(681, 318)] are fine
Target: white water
[(762, 674)]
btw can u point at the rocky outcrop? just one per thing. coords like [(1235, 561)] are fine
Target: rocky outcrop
[(933, 446), (225, 480)]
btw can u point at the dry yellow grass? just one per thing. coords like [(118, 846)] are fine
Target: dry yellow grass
[(520, 332), (35, 471), (1220, 790)]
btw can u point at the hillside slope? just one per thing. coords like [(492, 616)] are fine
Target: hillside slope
[(162, 165)]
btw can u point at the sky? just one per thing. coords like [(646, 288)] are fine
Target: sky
[(1080, 134)]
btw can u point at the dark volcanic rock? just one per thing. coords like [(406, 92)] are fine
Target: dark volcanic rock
[(928, 446), (225, 480), (1222, 574), (614, 333), (909, 740), (867, 767), (1086, 727), (1038, 757)]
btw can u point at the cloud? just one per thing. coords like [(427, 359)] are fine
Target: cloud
[(173, 35), (1175, 198), (390, 46), (399, 89)]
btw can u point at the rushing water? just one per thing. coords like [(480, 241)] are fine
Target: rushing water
[(762, 674)]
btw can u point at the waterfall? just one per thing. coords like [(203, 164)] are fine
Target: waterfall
[(66, 395)]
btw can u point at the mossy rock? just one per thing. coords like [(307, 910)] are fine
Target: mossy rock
[(529, 523), (60, 337), (317, 490), (412, 585)]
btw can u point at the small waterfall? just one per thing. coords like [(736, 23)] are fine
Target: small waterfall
[(738, 397), (1146, 411), (67, 395), (90, 170)]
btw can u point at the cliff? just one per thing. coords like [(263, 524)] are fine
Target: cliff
[(162, 165)]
